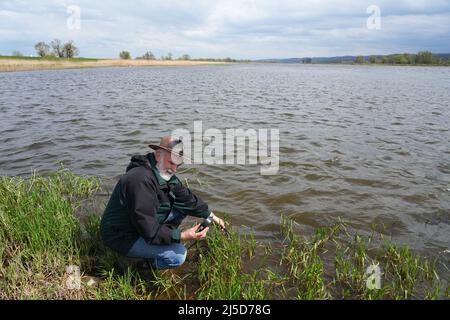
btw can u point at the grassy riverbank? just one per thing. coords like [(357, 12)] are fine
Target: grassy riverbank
[(10, 63), (47, 224)]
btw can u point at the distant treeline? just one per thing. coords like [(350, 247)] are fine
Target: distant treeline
[(421, 58), (150, 56), (57, 49)]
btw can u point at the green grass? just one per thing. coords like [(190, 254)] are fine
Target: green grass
[(404, 275), (221, 272), (39, 234), (48, 224)]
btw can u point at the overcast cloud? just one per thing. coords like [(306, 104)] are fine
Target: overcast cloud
[(240, 29)]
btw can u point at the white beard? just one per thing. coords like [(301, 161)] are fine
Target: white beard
[(165, 174)]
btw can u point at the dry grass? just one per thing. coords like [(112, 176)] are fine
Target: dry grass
[(9, 65)]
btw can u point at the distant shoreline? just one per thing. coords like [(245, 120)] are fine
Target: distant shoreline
[(353, 64), (15, 64), (9, 64)]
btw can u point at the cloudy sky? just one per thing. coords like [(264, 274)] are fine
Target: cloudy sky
[(246, 29)]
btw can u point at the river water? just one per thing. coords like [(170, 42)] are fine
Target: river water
[(369, 144)]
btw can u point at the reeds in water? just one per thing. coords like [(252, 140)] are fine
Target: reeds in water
[(47, 228)]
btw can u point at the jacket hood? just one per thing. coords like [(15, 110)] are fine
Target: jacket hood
[(148, 161), (141, 161)]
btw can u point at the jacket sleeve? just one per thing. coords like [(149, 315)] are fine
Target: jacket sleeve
[(142, 205), (189, 203)]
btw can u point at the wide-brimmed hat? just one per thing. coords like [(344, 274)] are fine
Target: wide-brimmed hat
[(172, 145)]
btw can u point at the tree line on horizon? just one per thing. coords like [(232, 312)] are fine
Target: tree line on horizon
[(421, 58), (126, 55), (58, 49)]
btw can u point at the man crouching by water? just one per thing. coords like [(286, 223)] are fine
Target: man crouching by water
[(148, 204)]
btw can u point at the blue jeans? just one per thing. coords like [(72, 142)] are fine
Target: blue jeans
[(161, 256)]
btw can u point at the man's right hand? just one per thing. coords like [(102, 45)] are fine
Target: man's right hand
[(191, 234)]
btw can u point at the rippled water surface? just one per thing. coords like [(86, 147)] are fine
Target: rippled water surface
[(368, 144)]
